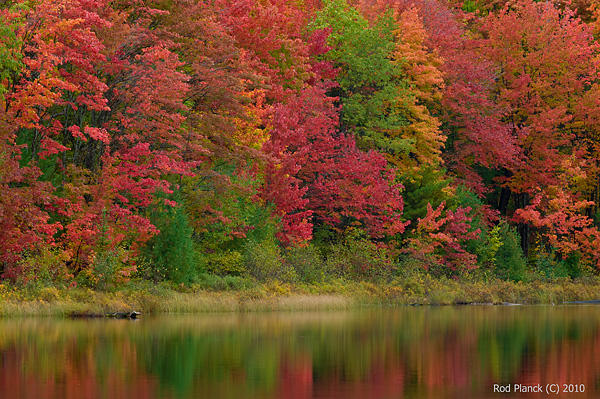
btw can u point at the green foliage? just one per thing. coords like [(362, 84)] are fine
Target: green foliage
[(106, 270), (264, 261), (29, 140), (509, 261), (428, 186), (357, 257), (551, 266), (490, 238), (547, 265), (370, 84), (413, 283), (44, 269), (307, 262), (109, 265), (469, 6), (360, 49), (10, 56), (225, 263), (171, 255), (226, 218), (491, 243), (572, 264)]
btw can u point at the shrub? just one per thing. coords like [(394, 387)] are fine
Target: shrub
[(108, 268), (264, 262), (547, 265), (550, 267), (171, 255), (225, 263), (357, 257), (226, 216), (45, 268), (307, 262), (572, 264), (509, 261)]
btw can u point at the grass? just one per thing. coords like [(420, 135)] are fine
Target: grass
[(151, 298)]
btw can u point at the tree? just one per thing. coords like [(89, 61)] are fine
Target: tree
[(425, 81), (441, 240), (545, 58), (50, 58), (371, 88), (337, 182)]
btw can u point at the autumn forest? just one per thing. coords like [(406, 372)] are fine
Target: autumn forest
[(298, 141)]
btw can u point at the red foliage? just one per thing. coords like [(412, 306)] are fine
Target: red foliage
[(24, 225), (271, 34), (563, 225), (60, 52), (321, 171), (102, 106), (470, 118), (545, 59), (443, 238)]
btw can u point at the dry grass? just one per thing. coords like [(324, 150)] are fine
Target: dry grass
[(50, 301), (83, 302)]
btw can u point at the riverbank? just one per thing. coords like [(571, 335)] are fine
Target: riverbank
[(274, 296)]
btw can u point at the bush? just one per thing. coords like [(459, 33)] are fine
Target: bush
[(171, 255), (548, 266), (264, 262), (225, 263), (357, 257), (43, 269), (226, 216), (509, 261), (108, 268), (307, 262), (572, 264)]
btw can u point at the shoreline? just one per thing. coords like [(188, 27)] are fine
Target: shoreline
[(274, 296)]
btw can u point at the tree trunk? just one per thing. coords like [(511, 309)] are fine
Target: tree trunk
[(522, 200), (503, 201), (523, 230)]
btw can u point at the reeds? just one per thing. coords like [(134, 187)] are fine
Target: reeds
[(274, 296)]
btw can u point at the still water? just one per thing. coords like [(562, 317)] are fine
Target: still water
[(429, 352)]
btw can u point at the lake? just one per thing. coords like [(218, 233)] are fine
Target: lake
[(409, 352)]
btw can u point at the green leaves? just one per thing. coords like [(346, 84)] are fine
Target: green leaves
[(10, 44), (369, 82)]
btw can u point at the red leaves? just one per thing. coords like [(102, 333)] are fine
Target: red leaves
[(62, 52), (59, 53), (93, 132), (545, 56), (24, 224), (122, 101), (322, 171), (562, 225), (443, 238)]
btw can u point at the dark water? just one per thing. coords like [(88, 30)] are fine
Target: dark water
[(445, 352)]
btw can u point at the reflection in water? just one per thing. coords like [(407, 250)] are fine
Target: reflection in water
[(450, 352)]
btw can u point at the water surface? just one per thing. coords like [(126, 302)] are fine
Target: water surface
[(429, 352)]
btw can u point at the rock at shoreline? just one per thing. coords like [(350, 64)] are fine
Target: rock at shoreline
[(117, 315), (124, 315)]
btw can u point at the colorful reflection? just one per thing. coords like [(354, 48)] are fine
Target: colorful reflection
[(448, 352)]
